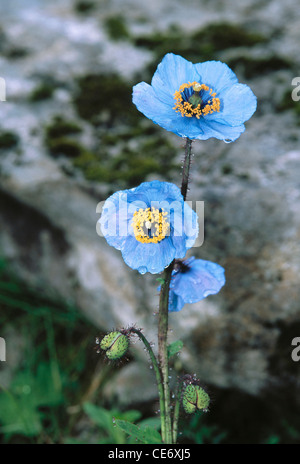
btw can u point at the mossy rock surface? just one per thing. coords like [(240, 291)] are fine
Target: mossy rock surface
[(84, 6), (204, 44), (60, 127), (116, 28), (43, 91), (256, 67), (104, 93), (8, 139), (129, 167)]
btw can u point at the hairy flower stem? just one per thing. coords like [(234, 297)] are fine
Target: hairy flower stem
[(176, 410), (164, 312), (158, 378), (163, 347), (186, 167)]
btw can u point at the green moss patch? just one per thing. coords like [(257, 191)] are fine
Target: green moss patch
[(106, 94), (60, 127), (254, 67), (84, 6), (58, 140), (220, 36), (16, 53), (129, 167), (8, 139), (116, 27), (201, 45), (43, 91), (114, 161), (65, 146)]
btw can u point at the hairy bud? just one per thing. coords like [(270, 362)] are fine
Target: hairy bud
[(194, 398), (115, 344)]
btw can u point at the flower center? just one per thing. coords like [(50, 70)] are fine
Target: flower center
[(194, 99), (150, 225)]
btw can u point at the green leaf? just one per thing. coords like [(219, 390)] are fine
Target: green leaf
[(19, 416), (144, 434), (153, 422), (29, 390), (105, 420), (174, 348), (99, 416), (160, 280)]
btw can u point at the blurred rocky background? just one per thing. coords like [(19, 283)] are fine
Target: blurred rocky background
[(69, 137)]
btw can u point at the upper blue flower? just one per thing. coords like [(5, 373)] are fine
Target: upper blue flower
[(192, 280), (151, 225), (198, 101)]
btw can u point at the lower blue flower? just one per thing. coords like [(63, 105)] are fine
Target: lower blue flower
[(151, 225), (193, 280)]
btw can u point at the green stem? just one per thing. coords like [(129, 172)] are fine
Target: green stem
[(163, 346), (164, 310), (176, 411), (158, 379), (186, 168)]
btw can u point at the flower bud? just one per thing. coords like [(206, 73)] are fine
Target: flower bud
[(194, 397), (115, 344)]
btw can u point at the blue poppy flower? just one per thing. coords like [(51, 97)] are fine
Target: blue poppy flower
[(198, 101), (193, 280), (151, 225)]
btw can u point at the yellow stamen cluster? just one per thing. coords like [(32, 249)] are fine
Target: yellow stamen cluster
[(150, 225), (187, 109)]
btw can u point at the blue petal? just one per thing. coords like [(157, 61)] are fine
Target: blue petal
[(114, 220), (170, 74), (160, 191), (185, 127), (185, 230), (220, 131), (216, 75), (148, 257), (202, 279), (176, 303), (163, 114), (238, 105), (148, 103)]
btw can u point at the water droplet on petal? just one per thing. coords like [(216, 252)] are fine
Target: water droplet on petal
[(207, 293), (142, 269), (227, 140)]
